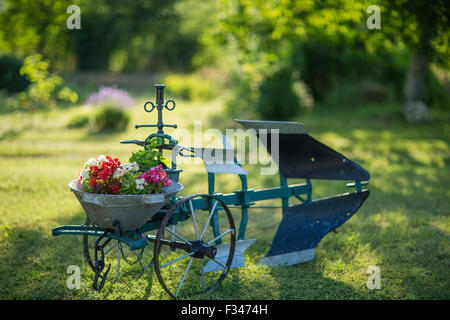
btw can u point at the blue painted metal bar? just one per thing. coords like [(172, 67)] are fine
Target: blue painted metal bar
[(133, 239), (244, 210), (309, 185), (247, 197), (284, 199)]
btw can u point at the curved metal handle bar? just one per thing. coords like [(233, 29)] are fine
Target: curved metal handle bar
[(173, 105), (145, 106), (172, 142), (178, 148)]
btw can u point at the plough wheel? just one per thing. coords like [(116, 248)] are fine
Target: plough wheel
[(182, 270)]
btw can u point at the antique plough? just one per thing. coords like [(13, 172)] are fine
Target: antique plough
[(194, 238)]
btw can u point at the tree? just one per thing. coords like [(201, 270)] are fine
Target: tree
[(115, 35), (118, 35), (264, 31), (28, 27), (421, 26), (265, 35)]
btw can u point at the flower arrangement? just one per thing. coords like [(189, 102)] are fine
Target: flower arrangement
[(108, 176), (143, 174)]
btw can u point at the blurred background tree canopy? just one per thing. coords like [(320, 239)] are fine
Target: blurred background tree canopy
[(116, 35), (275, 59)]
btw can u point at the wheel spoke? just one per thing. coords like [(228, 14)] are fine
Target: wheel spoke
[(209, 219), (118, 265), (213, 213), (140, 261), (174, 229), (149, 264), (108, 250), (221, 264), (220, 236), (203, 278), (177, 259), (178, 236), (184, 277), (193, 219)]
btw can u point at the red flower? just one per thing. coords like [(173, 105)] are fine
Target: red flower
[(114, 188), (92, 184), (101, 176)]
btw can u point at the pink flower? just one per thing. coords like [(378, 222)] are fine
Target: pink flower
[(157, 177)]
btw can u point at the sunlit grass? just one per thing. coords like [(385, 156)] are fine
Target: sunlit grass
[(403, 227)]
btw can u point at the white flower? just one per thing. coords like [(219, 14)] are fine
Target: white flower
[(140, 183), (118, 173), (133, 167), (85, 175), (90, 162), (101, 158)]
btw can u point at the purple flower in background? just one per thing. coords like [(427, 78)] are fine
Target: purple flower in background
[(111, 96)]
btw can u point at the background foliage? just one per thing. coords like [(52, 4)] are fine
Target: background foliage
[(314, 62), (326, 45)]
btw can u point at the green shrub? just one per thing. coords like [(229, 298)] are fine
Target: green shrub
[(190, 87), (7, 102), (239, 104), (277, 99), (10, 78), (356, 94), (437, 94), (45, 89), (108, 118), (325, 63), (103, 118), (79, 121)]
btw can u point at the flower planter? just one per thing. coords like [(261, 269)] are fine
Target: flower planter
[(132, 211)]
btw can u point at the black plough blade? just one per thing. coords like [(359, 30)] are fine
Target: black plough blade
[(304, 225), (301, 156)]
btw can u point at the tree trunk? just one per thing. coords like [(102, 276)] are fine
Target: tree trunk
[(414, 107)]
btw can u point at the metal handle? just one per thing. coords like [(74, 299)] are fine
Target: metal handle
[(145, 106), (177, 151), (160, 105), (160, 100)]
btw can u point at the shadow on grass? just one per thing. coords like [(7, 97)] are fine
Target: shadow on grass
[(9, 134), (37, 263), (400, 228), (402, 239)]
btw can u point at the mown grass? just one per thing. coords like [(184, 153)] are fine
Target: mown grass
[(403, 227)]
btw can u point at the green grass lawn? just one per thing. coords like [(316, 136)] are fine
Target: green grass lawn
[(403, 227)]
